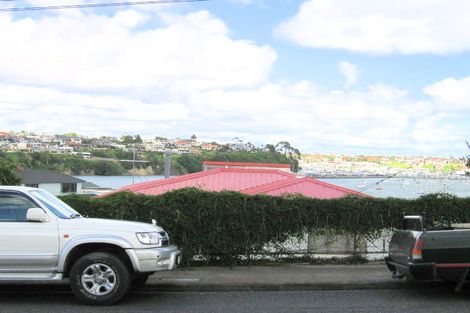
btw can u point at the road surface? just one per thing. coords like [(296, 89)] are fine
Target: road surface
[(440, 299)]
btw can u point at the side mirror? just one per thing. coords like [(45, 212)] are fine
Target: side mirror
[(36, 215)]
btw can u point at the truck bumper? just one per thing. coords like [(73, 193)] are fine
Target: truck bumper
[(417, 271), (155, 259)]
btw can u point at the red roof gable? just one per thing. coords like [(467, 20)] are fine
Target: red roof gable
[(273, 165), (306, 186), (249, 181)]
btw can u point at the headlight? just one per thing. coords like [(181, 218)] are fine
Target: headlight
[(149, 238)]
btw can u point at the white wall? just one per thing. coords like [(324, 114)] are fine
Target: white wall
[(52, 188), (79, 188), (56, 188)]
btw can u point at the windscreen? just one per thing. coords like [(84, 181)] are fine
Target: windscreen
[(55, 205), (414, 224)]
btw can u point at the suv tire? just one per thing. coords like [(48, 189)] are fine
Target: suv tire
[(100, 279)]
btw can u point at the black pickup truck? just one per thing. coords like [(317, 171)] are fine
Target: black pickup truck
[(418, 254)]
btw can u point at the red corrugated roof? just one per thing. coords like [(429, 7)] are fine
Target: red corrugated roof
[(273, 165), (249, 181), (306, 186)]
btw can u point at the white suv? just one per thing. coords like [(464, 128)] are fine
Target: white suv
[(43, 239)]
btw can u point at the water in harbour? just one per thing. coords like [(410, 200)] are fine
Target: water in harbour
[(407, 188), (116, 182)]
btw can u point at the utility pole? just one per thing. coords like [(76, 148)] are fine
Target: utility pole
[(167, 164), (133, 164)]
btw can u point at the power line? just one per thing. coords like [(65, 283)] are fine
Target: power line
[(383, 180), (92, 5), (386, 178)]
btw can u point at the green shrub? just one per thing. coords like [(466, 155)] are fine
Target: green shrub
[(226, 227)]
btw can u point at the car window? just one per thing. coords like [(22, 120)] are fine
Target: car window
[(55, 205), (13, 207)]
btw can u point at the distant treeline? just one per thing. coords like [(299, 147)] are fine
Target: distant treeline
[(181, 164)]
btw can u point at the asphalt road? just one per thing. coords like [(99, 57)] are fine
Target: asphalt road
[(441, 299)]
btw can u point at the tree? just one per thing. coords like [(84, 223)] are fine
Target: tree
[(107, 168), (126, 139), (193, 137), (271, 148), (292, 153), (286, 148), (8, 174)]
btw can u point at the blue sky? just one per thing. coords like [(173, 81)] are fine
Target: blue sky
[(335, 76)]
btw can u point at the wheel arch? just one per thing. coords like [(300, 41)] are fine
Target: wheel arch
[(80, 246)]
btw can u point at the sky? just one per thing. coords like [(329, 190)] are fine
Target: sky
[(330, 76)]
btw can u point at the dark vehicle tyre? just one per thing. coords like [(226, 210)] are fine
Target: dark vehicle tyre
[(100, 279), (139, 281)]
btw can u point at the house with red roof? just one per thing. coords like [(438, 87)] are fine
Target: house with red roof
[(254, 179), (248, 178)]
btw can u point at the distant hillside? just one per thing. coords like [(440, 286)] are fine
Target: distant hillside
[(105, 162)]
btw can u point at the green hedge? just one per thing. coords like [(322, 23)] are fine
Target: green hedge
[(224, 227)]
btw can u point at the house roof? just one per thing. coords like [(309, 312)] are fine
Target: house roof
[(241, 164), (213, 180), (248, 181), (29, 176), (306, 186)]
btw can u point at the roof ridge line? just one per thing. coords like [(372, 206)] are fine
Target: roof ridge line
[(294, 181), (336, 187), (264, 164), (273, 185), (170, 180)]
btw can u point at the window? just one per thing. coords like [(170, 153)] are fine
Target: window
[(69, 188), (13, 207), (58, 207), (32, 185)]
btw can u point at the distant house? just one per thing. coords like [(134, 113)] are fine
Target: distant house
[(54, 182), (210, 146)]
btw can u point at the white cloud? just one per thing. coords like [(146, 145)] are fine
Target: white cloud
[(100, 75), (380, 119), (99, 52), (400, 26), (350, 72), (452, 93), (50, 110)]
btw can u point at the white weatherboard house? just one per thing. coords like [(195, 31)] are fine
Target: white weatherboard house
[(54, 182)]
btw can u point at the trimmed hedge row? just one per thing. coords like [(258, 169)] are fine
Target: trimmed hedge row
[(225, 226)]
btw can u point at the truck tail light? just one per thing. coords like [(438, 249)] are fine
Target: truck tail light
[(417, 251)]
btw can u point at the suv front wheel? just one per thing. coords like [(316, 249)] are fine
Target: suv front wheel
[(100, 279)]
